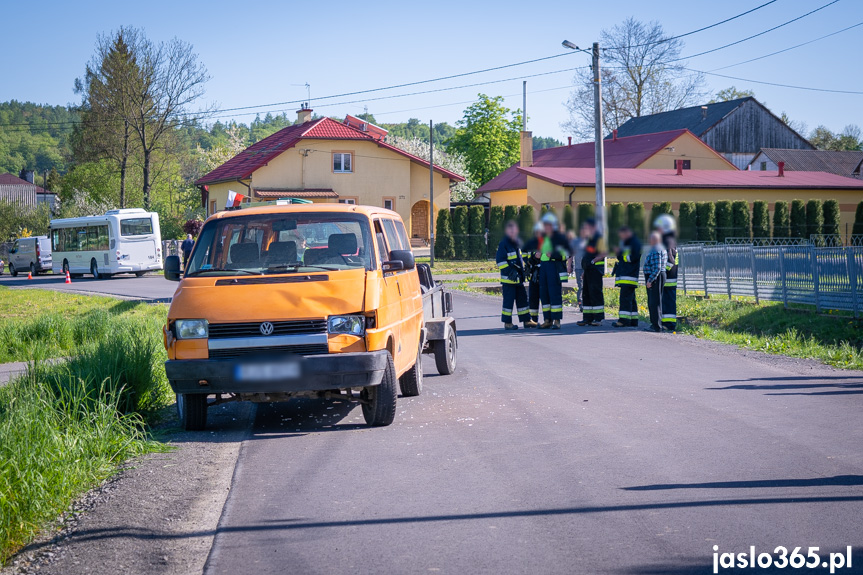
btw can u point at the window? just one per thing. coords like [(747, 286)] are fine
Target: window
[(136, 227), (403, 236), (763, 166), (212, 207), (394, 239), (687, 164), (342, 162), (390, 203), (351, 201)]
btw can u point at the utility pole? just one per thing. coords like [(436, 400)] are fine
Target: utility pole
[(601, 217), (431, 193)]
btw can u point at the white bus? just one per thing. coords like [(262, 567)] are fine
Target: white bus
[(121, 241)]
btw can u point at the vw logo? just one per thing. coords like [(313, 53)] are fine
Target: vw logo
[(266, 328)]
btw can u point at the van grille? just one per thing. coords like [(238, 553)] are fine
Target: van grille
[(308, 349), (253, 329)]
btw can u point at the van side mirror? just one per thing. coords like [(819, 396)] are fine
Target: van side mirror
[(173, 270), (400, 260)]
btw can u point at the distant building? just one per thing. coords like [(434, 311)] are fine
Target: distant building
[(322, 160), (646, 151), (841, 163), (737, 129), (23, 191)]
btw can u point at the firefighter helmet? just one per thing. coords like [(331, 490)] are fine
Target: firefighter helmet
[(665, 223), (550, 219)]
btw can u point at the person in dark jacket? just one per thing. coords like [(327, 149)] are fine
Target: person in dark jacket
[(628, 261), (531, 261), (512, 275), (654, 279), (665, 225), (594, 267), (553, 250), (186, 248)]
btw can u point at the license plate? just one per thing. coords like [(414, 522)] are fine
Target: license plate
[(267, 371)]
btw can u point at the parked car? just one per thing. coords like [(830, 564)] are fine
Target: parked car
[(304, 300), (30, 254)]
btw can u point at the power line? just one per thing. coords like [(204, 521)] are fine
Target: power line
[(776, 84), (755, 35)]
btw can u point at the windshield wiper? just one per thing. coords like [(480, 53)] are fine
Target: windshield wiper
[(247, 272)]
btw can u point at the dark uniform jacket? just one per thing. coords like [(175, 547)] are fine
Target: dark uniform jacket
[(559, 249), (628, 262), (591, 250), (510, 262), (670, 242)]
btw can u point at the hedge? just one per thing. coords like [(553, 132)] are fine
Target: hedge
[(857, 230), (814, 217), (460, 231), (444, 247), (616, 218), (568, 217), (496, 222), (724, 221), (635, 219), (585, 210), (760, 219), (797, 219), (659, 208), (510, 213), (687, 222), (831, 217), (526, 220), (705, 221), (476, 231), (781, 220), (740, 219)]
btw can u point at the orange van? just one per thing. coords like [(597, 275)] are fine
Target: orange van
[(302, 300)]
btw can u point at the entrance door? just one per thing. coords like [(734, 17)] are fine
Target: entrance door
[(420, 220)]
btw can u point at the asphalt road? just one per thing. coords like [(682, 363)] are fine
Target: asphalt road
[(582, 451), (151, 287)]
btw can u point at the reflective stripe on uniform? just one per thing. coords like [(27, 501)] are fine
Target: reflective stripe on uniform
[(546, 308), (564, 276), (593, 308), (507, 312), (669, 316), (622, 313), (502, 265), (522, 310), (555, 308), (626, 280), (671, 283), (506, 281), (534, 311), (600, 262), (511, 255)]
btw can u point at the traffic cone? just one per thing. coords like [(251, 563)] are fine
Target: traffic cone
[(29, 275), (68, 279)]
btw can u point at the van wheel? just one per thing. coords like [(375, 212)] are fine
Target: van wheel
[(33, 271), (411, 381), (446, 354), (192, 409), (12, 271), (379, 401), (139, 274), (94, 269)]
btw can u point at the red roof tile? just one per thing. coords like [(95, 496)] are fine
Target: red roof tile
[(261, 153), (645, 178), (628, 152)]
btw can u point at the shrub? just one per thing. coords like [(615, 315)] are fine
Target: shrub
[(857, 230), (740, 219), (568, 217), (526, 220), (495, 226), (781, 221), (476, 233), (705, 221), (635, 219), (616, 218), (688, 222), (797, 219), (510, 213), (444, 246), (460, 232), (585, 210), (760, 219), (193, 227), (659, 208), (831, 218), (724, 221), (814, 217)]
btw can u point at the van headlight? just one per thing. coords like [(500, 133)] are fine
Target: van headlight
[(191, 328), (347, 324)]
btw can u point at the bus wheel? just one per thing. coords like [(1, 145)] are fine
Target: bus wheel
[(65, 267), (94, 269)]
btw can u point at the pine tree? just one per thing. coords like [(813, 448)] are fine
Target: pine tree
[(585, 210), (688, 222), (510, 213), (760, 219), (659, 208), (857, 230), (814, 218), (635, 219), (460, 231), (495, 227), (831, 218), (724, 221), (741, 219), (568, 217), (616, 219), (797, 225), (705, 221), (526, 221), (781, 221), (443, 247), (476, 233)]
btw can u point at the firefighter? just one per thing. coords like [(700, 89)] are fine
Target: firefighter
[(531, 260), (628, 260), (512, 273), (594, 268), (665, 225), (553, 250)]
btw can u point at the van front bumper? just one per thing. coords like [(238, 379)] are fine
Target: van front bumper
[(316, 373)]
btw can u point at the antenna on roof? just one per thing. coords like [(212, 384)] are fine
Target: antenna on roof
[(308, 103)]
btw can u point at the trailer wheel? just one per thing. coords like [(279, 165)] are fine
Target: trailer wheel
[(411, 381), (446, 354), (379, 405), (192, 409)]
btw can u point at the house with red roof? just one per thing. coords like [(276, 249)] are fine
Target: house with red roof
[(23, 190), (647, 151), (323, 160)]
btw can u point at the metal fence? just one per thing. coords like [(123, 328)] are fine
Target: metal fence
[(826, 278)]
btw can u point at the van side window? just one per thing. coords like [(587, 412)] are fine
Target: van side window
[(392, 237), (403, 236), (383, 254)]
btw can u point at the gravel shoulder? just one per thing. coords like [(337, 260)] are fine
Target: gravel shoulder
[(158, 515)]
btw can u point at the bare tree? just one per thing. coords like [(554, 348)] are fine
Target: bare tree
[(641, 74)]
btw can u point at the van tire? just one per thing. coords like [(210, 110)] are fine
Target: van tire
[(446, 353), (192, 409), (411, 381), (379, 407), (12, 271), (33, 270)]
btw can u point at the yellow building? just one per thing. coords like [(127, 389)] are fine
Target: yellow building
[(648, 151), (324, 160), (559, 186)]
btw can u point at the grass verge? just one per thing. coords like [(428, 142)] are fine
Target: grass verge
[(461, 267), (65, 427)]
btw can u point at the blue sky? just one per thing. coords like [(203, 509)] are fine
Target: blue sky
[(261, 52)]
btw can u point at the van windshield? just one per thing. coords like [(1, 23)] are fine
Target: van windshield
[(282, 244)]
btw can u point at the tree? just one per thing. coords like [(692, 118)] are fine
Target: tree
[(585, 210), (760, 219), (460, 232), (444, 246), (740, 219), (635, 219), (568, 217), (814, 218), (847, 140), (616, 219), (781, 221), (193, 227), (476, 231), (526, 219), (705, 220), (445, 158), (797, 220), (641, 74), (496, 222), (488, 138), (831, 218), (510, 213), (659, 208), (731, 93), (857, 230), (543, 143), (688, 222), (724, 221)]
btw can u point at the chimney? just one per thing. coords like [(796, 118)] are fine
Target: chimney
[(570, 140), (28, 175), (614, 135), (781, 169), (526, 149), (679, 164), (703, 112), (304, 115)]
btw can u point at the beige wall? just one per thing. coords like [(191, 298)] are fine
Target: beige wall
[(508, 198), (688, 147)]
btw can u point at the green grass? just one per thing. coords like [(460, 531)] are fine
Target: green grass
[(66, 426), (461, 267)]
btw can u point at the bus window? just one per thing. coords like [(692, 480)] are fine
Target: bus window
[(136, 227)]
